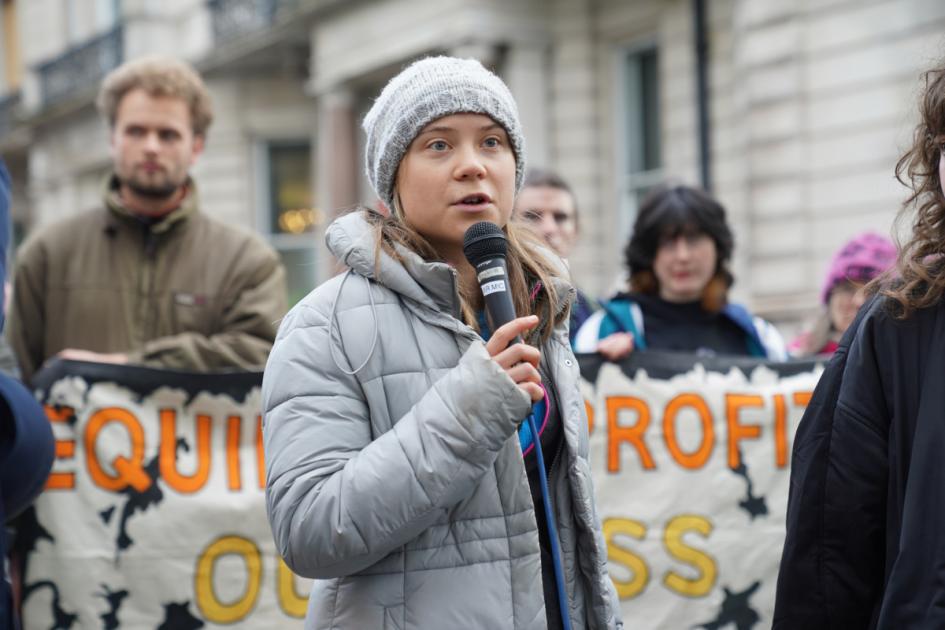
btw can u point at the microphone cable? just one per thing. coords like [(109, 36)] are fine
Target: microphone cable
[(550, 524), (558, 565)]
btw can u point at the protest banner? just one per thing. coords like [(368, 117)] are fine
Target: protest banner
[(690, 459), (154, 515)]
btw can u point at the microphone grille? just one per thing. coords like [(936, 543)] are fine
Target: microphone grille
[(484, 240)]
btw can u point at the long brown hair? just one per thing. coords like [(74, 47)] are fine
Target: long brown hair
[(531, 272), (920, 263)]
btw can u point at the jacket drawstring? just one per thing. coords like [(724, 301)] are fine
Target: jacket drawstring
[(331, 327)]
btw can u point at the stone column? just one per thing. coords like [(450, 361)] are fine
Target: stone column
[(336, 165), (526, 72)]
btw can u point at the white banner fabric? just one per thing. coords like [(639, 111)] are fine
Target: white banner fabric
[(154, 516), (691, 468)]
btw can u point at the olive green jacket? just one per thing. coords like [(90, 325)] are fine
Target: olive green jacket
[(186, 292)]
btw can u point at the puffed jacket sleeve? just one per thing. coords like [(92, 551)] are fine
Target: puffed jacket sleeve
[(340, 499)]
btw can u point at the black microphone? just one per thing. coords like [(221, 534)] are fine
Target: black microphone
[(485, 248)]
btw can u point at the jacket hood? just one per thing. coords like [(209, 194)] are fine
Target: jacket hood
[(435, 284), (352, 240)]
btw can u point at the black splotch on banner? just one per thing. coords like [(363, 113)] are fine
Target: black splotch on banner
[(144, 381), (114, 599), (736, 610), (62, 620), (665, 365), (754, 505), (138, 501), (178, 617)]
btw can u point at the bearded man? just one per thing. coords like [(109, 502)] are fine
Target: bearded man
[(147, 278)]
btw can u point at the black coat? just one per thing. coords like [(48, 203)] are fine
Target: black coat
[(865, 544), (26, 439)]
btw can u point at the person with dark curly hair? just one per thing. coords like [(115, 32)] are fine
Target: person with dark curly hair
[(864, 545), (678, 262)]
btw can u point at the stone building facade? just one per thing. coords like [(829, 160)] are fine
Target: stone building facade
[(805, 107)]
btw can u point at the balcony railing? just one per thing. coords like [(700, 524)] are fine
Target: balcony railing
[(8, 111), (81, 66), (233, 18)]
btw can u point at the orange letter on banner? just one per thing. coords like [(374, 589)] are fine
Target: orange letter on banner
[(234, 425), (802, 399), (65, 449), (633, 434), (129, 470), (619, 555), (589, 409), (185, 484), (738, 432), (56, 413), (700, 560), (260, 454), (700, 456), (293, 603), (780, 431)]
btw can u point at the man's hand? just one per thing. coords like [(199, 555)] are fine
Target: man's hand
[(74, 354)]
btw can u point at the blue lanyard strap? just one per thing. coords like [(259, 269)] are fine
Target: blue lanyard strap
[(552, 530), (529, 436), (540, 410)]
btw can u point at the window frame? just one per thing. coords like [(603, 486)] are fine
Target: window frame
[(282, 243), (631, 184)]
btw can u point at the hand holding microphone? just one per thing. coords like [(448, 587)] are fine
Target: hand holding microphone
[(485, 248), (520, 360)]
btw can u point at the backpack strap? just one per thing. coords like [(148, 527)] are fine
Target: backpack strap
[(744, 320), (622, 315)]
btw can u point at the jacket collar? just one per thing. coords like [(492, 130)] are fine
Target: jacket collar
[(434, 284), (118, 212)]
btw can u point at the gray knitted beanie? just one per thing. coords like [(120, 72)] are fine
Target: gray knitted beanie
[(423, 92)]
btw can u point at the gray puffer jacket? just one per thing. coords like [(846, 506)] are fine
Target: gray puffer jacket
[(402, 488)]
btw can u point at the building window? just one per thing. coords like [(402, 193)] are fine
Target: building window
[(70, 17), (290, 216), (107, 13), (640, 113)]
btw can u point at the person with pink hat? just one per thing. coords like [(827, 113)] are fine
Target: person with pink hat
[(859, 261)]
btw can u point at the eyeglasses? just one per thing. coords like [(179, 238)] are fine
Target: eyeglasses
[(560, 217)]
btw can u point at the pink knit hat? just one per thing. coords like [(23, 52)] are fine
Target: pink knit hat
[(863, 258)]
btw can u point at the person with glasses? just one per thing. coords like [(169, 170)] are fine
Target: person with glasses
[(548, 203)]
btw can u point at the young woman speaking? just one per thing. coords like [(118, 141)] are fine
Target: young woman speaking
[(399, 474)]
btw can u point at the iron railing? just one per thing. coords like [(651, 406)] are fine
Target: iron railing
[(9, 108), (81, 66), (234, 18)]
